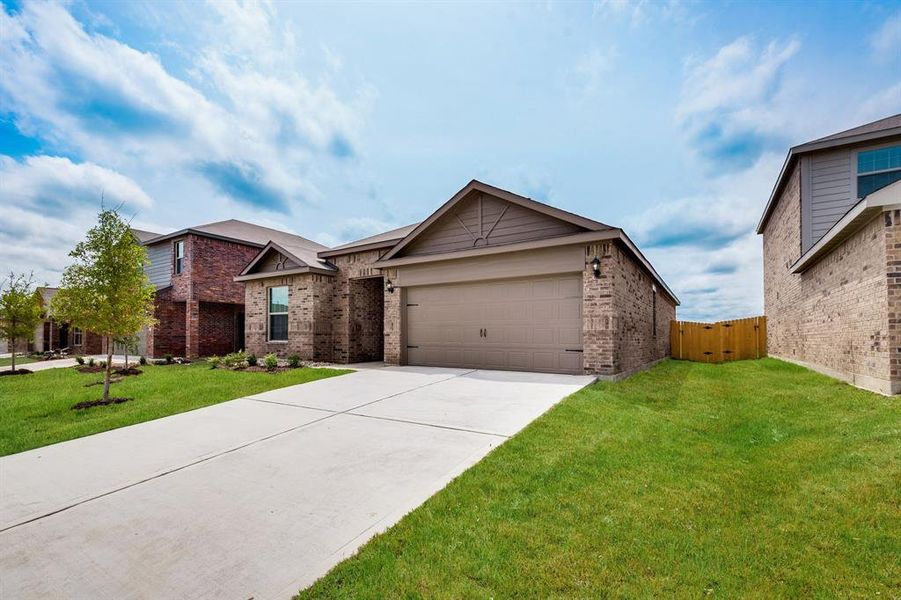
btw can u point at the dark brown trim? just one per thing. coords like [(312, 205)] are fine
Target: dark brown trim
[(189, 231), (359, 248)]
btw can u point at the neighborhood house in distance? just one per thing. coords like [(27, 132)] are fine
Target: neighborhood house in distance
[(832, 256), (490, 280)]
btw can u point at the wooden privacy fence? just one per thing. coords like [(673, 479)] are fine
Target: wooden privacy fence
[(721, 341)]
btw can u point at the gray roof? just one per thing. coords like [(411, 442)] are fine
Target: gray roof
[(385, 238), (869, 132), (242, 231), (144, 235)]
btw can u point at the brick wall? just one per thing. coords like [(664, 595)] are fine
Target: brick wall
[(366, 316), (835, 315), (345, 323), (393, 323), (310, 309), (209, 268), (168, 335), (618, 332), (217, 328)]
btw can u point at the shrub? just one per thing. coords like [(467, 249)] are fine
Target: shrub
[(79, 360), (142, 360), (91, 362), (167, 358), (159, 362), (294, 361), (214, 361), (235, 360), (102, 364), (271, 362), (252, 360)]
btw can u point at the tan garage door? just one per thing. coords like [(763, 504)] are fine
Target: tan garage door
[(523, 325)]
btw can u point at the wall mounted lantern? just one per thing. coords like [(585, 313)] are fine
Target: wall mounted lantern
[(596, 266), (389, 287)]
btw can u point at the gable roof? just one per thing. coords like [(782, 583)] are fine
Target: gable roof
[(143, 235), (380, 240), (305, 260), (475, 185), (242, 232), (883, 128)]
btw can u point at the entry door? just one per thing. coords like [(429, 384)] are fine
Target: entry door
[(530, 324)]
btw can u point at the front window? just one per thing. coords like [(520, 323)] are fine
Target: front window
[(179, 255), (877, 169), (278, 314), (76, 337)]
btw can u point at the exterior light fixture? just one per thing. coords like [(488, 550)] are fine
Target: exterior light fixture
[(389, 287), (596, 266)]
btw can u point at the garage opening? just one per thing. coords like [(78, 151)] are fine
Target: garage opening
[(532, 324), (367, 319)]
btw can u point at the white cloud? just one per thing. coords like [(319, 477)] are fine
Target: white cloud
[(48, 204), (731, 105), (886, 41), (252, 126), (585, 79), (705, 246)]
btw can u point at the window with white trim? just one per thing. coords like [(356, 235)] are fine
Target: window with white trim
[(877, 169), (278, 314), (77, 337), (179, 255)]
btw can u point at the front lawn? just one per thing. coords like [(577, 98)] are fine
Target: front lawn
[(35, 410), (750, 479), (20, 360)]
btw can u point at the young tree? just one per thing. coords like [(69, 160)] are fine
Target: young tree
[(106, 291), (20, 310)]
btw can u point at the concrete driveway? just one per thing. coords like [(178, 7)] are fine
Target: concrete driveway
[(257, 497)]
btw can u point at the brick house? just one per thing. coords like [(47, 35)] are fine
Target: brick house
[(198, 305), (832, 256), (51, 334), (490, 280)]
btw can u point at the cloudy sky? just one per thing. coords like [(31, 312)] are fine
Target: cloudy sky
[(338, 120)]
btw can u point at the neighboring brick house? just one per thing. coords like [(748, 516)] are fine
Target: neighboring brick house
[(199, 307), (832, 256), (51, 334), (490, 280)]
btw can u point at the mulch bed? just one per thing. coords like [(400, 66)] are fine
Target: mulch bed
[(90, 369), (16, 372), (259, 369), (128, 371), (93, 403)]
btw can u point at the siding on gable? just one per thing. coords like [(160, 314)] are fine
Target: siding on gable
[(483, 220), (270, 263), (160, 270)]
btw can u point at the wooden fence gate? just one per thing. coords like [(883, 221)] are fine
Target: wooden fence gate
[(721, 341)]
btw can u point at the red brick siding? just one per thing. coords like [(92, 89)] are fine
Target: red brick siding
[(168, 336), (350, 268), (366, 319), (217, 328)]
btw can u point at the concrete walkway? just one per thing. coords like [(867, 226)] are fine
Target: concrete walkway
[(257, 497), (59, 363)]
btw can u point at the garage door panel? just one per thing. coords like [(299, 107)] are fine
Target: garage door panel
[(529, 324)]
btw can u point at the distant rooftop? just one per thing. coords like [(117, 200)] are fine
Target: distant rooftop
[(387, 236), (243, 231)]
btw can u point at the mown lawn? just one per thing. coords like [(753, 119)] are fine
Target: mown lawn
[(751, 479), (35, 410), (20, 360)]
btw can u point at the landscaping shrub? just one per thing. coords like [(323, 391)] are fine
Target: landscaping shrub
[(142, 360), (235, 360), (79, 360), (167, 358), (294, 361), (91, 362), (214, 361), (271, 362), (252, 360), (102, 364)]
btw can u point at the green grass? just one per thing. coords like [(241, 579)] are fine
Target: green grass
[(750, 479), (20, 360), (35, 410)]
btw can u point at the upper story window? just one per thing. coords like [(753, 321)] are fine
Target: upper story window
[(77, 337), (278, 314), (877, 169), (179, 255)]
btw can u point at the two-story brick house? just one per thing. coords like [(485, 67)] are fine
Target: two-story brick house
[(490, 280), (832, 256), (199, 307)]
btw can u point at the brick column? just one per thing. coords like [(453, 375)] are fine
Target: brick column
[(192, 328), (393, 326), (598, 318)]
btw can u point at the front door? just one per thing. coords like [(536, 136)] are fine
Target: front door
[(239, 331), (63, 337)]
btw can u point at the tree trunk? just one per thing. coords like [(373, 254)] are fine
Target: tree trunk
[(13, 340), (109, 368)]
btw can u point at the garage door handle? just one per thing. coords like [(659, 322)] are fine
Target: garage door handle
[(573, 350)]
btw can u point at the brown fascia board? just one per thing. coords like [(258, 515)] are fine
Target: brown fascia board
[(296, 271), (815, 146), (476, 185), (359, 248), (567, 240), (189, 231)]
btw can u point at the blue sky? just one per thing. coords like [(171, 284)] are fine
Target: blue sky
[(336, 120)]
